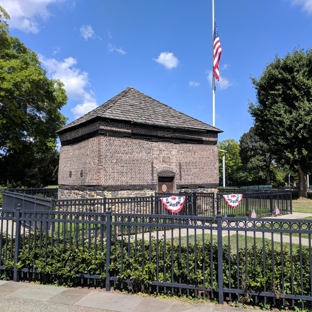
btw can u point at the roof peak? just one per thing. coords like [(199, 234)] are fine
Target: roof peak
[(135, 106)]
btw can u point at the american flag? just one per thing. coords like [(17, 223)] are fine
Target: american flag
[(253, 214), (217, 51)]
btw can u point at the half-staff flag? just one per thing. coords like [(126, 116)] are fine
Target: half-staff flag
[(217, 51)]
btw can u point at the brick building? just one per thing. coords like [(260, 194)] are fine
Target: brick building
[(133, 144)]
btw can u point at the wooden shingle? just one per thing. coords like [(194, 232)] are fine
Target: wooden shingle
[(133, 106)]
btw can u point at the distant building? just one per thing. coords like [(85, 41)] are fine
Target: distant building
[(135, 145)]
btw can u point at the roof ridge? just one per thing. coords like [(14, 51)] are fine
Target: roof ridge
[(132, 105), (171, 108), (174, 109), (115, 99)]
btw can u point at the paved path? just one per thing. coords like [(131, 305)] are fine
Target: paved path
[(22, 296), (6, 226), (235, 230)]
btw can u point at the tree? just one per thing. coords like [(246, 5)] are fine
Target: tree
[(4, 29), (256, 159), (30, 106), (283, 112), (232, 160), (259, 166)]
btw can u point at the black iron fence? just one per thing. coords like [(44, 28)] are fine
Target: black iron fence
[(264, 261), (196, 204), (38, 192), (262, 203), (13, 199)]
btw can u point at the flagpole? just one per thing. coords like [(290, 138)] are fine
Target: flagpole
[(213, 78)]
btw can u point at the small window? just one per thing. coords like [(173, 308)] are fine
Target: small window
[(165, 179), (81, 173), (70, 174)]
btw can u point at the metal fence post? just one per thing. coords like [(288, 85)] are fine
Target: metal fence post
[(271, 203), (290, 195), (108, 246), (214, 203), (17, 213), (247, 212), (52, 203), (194, 203), (104, 204), (152, 204), (218, 196), (220, 258)]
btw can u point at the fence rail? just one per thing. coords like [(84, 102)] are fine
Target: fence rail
[(28, 202), (196, 203), (224, 258), (40, 192)]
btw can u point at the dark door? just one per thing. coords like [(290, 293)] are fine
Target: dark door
[(165, 184)]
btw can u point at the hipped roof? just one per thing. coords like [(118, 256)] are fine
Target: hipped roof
[(133, 106)]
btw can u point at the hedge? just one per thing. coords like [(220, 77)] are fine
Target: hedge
[(135, 266)]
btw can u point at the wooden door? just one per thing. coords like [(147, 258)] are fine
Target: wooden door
[(165, 184)]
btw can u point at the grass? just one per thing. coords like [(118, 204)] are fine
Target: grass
[(302, 205), (72, 228), (236, 242)]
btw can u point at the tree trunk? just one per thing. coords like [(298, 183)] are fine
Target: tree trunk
[(302, 183), (268, 171)]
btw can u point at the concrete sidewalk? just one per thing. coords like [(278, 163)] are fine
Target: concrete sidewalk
[(25, 296)]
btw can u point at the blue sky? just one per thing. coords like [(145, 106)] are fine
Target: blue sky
[(163, 48)]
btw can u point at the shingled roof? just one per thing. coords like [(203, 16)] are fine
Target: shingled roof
[(134, 106)]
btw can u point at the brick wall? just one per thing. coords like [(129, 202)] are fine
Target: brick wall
[(78, 163), (103, 161)]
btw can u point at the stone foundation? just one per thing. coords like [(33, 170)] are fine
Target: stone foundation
[(204, 205), (76, 194)]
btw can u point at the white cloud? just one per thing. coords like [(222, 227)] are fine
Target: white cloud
[(75, 82), (56, 50), (83, 108), (167, 59), (222, 84), (194, 84), (113, 48), (307, 4), (86, 32), (26, 14)]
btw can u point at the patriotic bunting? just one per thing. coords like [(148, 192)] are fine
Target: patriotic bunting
[(174, 203), (233, 200)]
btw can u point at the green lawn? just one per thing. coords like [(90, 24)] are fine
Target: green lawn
[(302, 205), (235, 241)]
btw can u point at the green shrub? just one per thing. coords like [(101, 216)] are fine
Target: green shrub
[(136, 264), (295, 194)]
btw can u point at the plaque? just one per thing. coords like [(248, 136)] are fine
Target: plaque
[(166, 159), (164, 188)]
